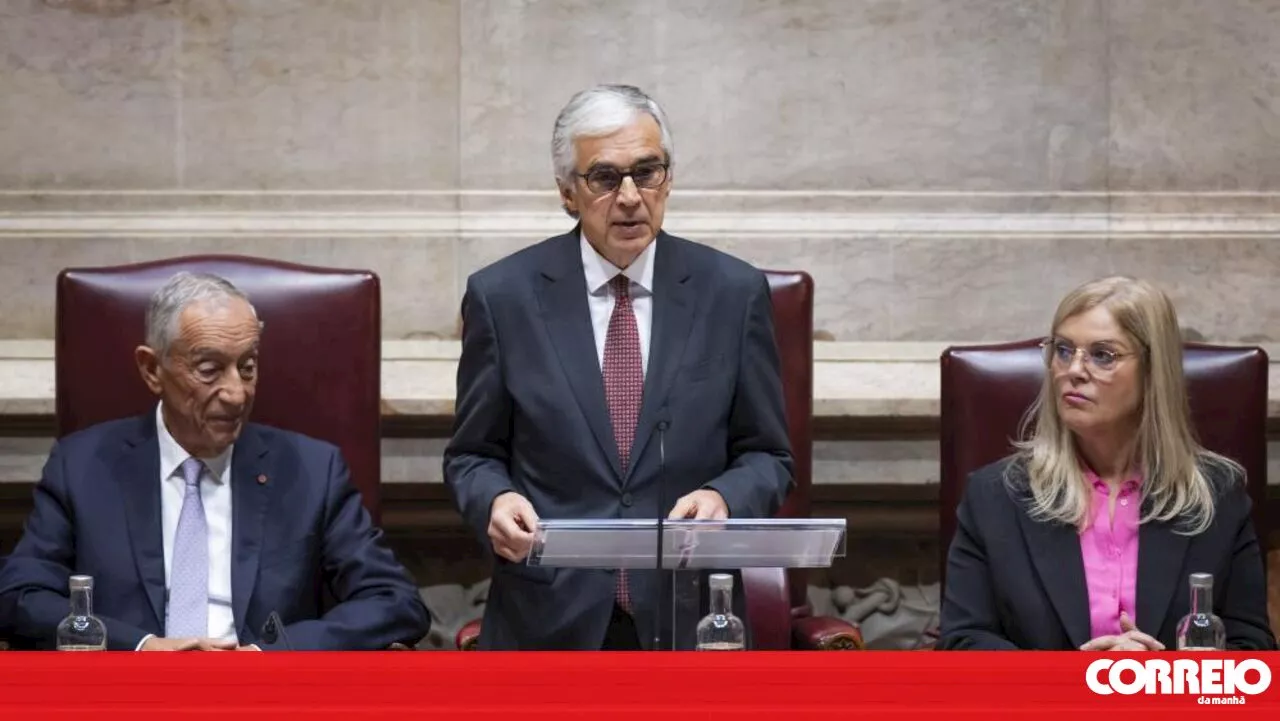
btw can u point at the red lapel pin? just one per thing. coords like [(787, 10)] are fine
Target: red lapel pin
[(262, 479)]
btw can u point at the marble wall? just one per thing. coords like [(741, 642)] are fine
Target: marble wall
[(944, 170)]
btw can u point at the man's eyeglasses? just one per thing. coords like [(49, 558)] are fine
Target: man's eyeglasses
[(1098, 357), (607, 179)]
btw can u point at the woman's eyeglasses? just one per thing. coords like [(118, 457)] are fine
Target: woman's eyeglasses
[(1062, 353)]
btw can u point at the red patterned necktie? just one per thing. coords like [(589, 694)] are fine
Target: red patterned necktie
[(623, 387)]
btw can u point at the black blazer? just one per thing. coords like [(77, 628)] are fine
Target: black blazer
[(1015, 583), (531, 417)]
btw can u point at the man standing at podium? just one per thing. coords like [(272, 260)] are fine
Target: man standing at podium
[(604, 369)]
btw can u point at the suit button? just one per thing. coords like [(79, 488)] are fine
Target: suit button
[(626, 500)]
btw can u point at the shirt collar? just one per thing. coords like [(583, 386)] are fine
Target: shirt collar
[(1096, 482), (172, 454), (600, 271)]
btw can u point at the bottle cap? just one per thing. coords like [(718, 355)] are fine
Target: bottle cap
[(721, 580), (82, 583), (1202, 580)]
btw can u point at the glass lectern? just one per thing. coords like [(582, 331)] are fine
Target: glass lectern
[(690, 549)]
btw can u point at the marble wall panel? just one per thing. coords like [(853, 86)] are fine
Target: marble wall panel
[(974, 95), (478, 252), (1224, 288), (413, 460), (986, 287), (950, 108), (29, 272), (852, 278), (1195, 95), (419, 287), (341, 94), (909, 94), (21, 459), (88, 100), (419, 297), (862, 462), (419, 274)]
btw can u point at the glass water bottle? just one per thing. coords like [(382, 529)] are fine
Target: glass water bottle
[(82, 631), (720, 630), (1200, 630)]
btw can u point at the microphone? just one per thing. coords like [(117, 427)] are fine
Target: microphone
[(273, 631), (663, 425)]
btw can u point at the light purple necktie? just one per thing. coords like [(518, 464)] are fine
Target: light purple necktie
[(188, 610)]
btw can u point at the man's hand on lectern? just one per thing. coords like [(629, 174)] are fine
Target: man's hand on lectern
[(512, 521)]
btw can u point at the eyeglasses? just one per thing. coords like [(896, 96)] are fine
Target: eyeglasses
[(606, 178), (1099, 358)]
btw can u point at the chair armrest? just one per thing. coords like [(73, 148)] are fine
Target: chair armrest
[(468, 636), (825, 633)]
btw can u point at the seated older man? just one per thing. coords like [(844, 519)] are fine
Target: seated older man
[(199, 528)]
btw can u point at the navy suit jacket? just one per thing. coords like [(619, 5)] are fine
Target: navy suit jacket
[(299, 536), (1014, 582), (532, 418)]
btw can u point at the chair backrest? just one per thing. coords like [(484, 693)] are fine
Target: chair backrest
[(792, 295), (321, 350), (986, 390)]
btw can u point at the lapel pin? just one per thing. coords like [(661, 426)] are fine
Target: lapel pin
[(262, 479)]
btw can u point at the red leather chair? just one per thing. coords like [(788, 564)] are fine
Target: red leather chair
[(321, 350), (769, 590), (987, 389), (776, 599)]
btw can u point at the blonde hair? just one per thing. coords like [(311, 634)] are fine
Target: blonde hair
[(1175, 468)]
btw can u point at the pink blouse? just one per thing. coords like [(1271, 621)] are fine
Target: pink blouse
[(1110, 550)]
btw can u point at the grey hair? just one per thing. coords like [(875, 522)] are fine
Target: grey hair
[(176, 295), (602, 110)]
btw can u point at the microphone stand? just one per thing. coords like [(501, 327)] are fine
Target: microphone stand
[(662, 505)]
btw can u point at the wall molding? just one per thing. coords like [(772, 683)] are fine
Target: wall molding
[(713, 225), (711, 214)]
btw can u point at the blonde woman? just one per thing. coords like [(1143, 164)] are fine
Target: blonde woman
[(1085, 537)]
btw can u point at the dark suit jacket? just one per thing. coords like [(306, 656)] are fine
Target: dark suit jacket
[(1017, 583), (532, 418), (302, 533)]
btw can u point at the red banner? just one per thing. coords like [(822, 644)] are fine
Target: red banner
[(520, 686)]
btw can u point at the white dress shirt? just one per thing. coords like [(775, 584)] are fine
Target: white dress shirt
[(601, 300), (215, 491)]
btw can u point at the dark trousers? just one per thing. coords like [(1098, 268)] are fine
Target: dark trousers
[(621, 634)]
